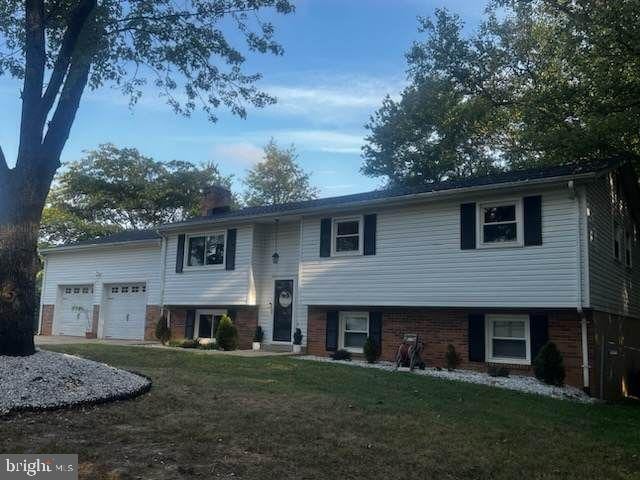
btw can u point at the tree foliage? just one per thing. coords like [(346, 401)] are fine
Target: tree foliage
[(59, 47), (113, 189), (278, 178), (540, 82)]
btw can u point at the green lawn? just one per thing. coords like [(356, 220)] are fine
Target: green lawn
[(214, 416)]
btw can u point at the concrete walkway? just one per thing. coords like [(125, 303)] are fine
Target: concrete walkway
[(66, 340)]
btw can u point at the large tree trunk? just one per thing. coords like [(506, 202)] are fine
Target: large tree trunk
[(21, 203)]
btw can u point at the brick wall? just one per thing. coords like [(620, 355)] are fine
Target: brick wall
[(46, 328), (95, 318), (151, 320), (440, 327), (246, 321)]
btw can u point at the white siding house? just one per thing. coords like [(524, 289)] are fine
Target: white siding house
[(211, 284), (496, 266), (419, 262)]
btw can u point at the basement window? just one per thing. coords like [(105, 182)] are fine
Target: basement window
[(355, 330), (508, 339)]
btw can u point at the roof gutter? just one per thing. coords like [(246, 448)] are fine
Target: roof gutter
[(75, 248), (435, 195)]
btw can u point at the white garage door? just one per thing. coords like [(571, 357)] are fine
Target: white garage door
[(125, 310), (75, 312)]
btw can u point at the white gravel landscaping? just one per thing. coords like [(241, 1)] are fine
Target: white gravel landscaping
[(520, 383), (48, 380)]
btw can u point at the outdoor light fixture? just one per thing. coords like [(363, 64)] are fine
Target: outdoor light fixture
[(276, 257)]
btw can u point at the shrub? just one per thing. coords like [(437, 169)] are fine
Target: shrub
[(495, 371), (452, 358), (227, 334), (297, 337), (371, 350), (258, 335), (190, 343), (163, 332), (548, 365), (207, 346), (184, 343), (341, 355)]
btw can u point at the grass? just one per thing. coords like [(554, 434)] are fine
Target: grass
[(214, 416)]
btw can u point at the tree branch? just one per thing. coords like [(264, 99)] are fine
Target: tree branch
[(76, 22), (32, 124), (63, 117)]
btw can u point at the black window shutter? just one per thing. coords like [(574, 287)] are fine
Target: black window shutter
[(370, 226), (476, 338), (375, 328), (532, 212), (180, 254), (539, 330), (189, 324), (325, 237), (230, 255), (332, 331), (468, 226)]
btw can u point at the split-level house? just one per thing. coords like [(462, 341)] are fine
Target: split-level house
[(495, 266)]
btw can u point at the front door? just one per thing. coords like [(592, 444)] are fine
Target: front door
[(282, 310)]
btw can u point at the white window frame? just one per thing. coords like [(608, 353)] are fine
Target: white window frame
[(618, 236), (219, 266), (489, 321), (628, 247), (343, 328), (518, 242), (213, 313), (334, 233)]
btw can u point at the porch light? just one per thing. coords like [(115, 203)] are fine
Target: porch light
[(275, 257)]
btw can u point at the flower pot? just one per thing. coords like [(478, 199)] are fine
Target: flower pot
[(255, 346), (297, 348)]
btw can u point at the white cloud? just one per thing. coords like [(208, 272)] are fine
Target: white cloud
[(248, 147), (243, 154), (323, 98)]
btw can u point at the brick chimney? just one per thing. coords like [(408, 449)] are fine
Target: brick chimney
[(215, 199)]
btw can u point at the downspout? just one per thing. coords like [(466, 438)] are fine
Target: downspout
[(581, 202), (42, 290), (163, 264)]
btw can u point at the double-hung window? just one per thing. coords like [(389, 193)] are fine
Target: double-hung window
[(206, 250), (347, 236), (354, 328), (628, 248), (617, 242), (500, 224), (508, 339)]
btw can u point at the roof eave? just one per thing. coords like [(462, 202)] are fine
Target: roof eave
[(385, 201), (68, 248)]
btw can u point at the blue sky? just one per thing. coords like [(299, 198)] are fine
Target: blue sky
[(341, 58)]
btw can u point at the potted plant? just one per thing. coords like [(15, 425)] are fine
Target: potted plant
[(297, 341), (257, 338)]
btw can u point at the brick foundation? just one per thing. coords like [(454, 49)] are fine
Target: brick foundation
[(93, 333), (441, 327), (246, 321), (151, 320), (46, 327)]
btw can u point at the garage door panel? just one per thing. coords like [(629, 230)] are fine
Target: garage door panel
[(75, 310), (125, 311)]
